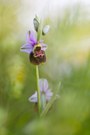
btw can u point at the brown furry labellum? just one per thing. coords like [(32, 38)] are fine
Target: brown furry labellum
[(37, 56)]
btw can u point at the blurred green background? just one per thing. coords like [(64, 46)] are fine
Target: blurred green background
[(68, 61)]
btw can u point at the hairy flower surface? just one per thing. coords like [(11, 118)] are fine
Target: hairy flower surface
[(35, 49), (44, 89)]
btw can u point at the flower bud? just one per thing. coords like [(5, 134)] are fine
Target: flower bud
[(36, 23), (45, 29)]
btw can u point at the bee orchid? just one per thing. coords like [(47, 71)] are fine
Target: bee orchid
[(35, 49)]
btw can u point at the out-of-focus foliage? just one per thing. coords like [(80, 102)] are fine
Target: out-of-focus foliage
[(68, 61)]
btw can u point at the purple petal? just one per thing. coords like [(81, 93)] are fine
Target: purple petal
[(49, 94), (28, 48), (33, 98), (31, 38), (43, 84)]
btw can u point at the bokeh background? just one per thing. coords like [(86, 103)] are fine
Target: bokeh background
[(68, 61)]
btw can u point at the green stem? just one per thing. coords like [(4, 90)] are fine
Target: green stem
[(38, 90), (37, 72)]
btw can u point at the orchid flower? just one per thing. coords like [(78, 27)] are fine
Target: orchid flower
[(35, 49), (44, 89)]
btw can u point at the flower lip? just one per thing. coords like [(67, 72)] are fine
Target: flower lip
[(39, 53), (37, 57)]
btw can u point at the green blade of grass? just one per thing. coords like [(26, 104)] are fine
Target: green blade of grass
[(50, 103)]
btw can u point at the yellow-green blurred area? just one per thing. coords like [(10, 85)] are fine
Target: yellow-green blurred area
[(68, 61)]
